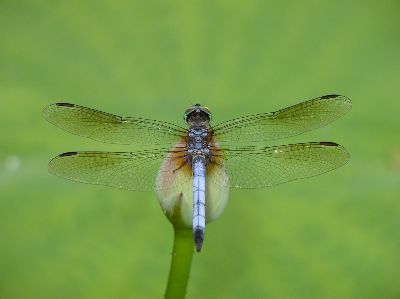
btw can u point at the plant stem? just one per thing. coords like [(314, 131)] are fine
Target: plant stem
[(181, 262)]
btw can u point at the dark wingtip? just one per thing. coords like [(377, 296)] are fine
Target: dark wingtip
[(328, 143), (68, 154), (330, 96), (65, 104), (198, 239)]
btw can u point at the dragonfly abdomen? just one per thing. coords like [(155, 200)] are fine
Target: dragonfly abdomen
[(199, 199)]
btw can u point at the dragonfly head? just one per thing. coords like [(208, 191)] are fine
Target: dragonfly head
[(197, 114)]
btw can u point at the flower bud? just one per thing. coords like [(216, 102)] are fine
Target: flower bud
[(175, 190)]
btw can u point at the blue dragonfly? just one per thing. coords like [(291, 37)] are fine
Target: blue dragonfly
[(203, 159)]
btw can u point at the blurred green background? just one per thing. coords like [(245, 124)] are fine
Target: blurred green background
[(332, 236)]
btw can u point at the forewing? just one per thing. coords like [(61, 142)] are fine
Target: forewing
[(287, 122), (110, 128), (257, 167), (139, 171)]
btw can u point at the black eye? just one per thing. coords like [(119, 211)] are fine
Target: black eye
[(187, 114)]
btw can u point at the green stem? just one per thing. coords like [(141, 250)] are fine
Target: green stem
[(181, 262)]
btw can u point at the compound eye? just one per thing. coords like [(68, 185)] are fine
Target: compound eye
[(208, 113), (187, 113)]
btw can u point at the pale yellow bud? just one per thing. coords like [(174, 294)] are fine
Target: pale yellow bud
[(175, 191)]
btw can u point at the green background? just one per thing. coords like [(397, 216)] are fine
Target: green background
[(332, 236)]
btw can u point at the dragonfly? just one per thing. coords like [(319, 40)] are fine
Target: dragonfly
[(230, 154)]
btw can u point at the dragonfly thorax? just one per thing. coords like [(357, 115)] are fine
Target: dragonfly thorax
[(197, 143)]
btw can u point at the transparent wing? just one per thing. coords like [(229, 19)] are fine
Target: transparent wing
[(140, 171), (284, 123), (257, 167), (110, 128)]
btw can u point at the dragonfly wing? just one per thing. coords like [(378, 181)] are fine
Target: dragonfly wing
[(110, 128), (287, 122), (139, 171), (257, 167)]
